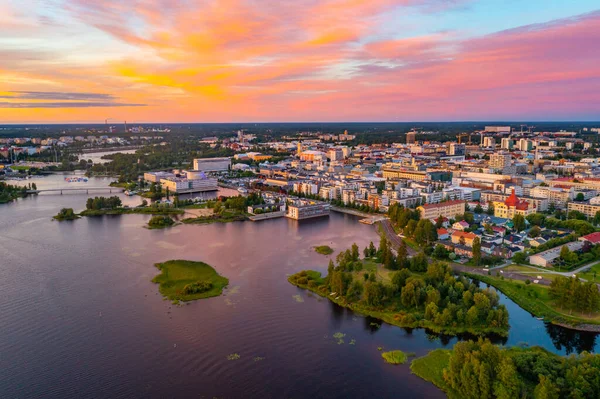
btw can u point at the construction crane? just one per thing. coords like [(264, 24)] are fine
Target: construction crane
[(461, 135)]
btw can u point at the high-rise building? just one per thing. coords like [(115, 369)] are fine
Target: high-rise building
[(500, 161), (525, 145), (411, 137), (457, 149), (506, 143), (489, 142)]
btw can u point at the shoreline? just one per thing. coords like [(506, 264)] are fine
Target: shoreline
[(389, 318), (530, 306)]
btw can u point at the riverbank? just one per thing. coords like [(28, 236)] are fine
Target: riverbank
[(393, 311), (224, 217), (184, 280), (535, 299), (148, 210)]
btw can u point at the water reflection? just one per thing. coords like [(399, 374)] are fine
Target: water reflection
[(571, 341)]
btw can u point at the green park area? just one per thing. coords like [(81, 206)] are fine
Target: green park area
[(184, 280), (565, 301), (474, 370)]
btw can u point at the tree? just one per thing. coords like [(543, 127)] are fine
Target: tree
[(402, 258), (546, 389), (476, 251), (440, 252), (439, 222), (534, 232), (462, 241), (579, 197), (478, 209), (355, 253), (507, 385), (490, 209), (519, 222), (520, 257)]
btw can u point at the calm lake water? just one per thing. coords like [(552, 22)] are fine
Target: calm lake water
[(79, 316)]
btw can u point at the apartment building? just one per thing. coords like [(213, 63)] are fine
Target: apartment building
[(448, 209)]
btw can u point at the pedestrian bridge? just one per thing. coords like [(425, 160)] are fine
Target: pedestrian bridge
[(78, 190)]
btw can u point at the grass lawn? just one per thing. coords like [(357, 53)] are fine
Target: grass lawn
[(411, 244), (589, 274), (226, 216), (395, 357), (324, 250), (176, 274), (431, 367), (535, 299)]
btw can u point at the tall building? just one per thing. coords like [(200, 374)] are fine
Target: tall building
[(525, 145), (457, 149), (500, 161), (411, 137), (299, 149), (506, 143), (489, 142)]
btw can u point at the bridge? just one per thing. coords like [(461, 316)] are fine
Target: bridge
[(78, 190)]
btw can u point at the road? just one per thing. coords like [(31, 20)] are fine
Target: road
[(393, 238)]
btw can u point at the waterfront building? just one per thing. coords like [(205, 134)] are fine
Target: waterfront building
[(304, 209), (546, 258), (179, 185), (155, 177), (212, 164)]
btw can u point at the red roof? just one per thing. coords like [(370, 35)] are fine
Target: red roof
[(442, 232), (594, 238), (512, 199)]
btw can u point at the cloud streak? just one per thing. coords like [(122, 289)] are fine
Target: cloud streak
[(261, 60)]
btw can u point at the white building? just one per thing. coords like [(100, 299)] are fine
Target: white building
[(212, 164)]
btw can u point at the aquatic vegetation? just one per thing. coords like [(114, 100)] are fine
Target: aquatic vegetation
[(324, 250), (380, 348), (395, 357), (233, 356), (339, 337), (298, 298), (258, 359), (352, 341)]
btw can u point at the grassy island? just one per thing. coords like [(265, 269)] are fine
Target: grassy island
[(473, 370), (66, 214), (433, 299), (395, 357), (184, 280), (160, 222), (324, 250), (566, 301)]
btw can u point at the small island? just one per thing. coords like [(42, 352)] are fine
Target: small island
[(184, 280), (421, 295), (66, 214), (160, 222), (324, 250), (395, 357), (9, 192), (473, 370)]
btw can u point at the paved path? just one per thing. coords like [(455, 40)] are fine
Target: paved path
[(393, 238)]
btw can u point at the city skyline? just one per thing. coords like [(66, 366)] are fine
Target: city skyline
[(260, 61)]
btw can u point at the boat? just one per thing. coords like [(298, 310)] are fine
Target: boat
[(130, 193), (76, 179)]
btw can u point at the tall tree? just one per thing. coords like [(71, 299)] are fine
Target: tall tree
[(476, 251)]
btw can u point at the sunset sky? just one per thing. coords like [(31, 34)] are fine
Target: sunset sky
[(302, 60)]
